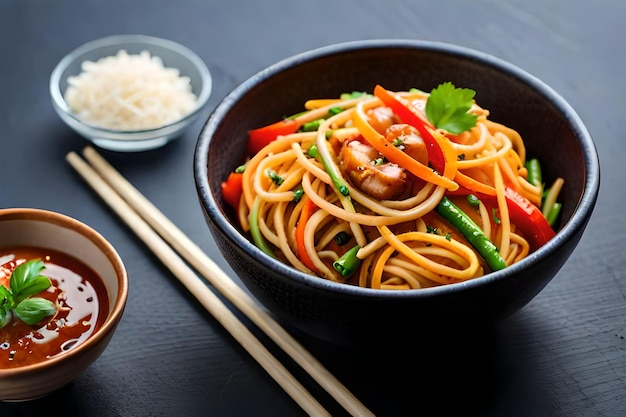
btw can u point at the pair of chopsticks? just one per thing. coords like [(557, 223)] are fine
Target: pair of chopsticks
[(169, 244)]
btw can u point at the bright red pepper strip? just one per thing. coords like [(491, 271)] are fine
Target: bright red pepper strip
[(527, 217), (408, 114), (261, 137), (232, 189)]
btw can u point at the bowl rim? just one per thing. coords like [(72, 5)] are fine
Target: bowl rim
[(568, 231), (63, 220), (61, 105)]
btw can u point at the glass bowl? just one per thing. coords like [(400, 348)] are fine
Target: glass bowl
[(171, 53)]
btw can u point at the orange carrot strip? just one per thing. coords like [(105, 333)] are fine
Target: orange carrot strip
[(473, 185), (307, 211), (395, 155)]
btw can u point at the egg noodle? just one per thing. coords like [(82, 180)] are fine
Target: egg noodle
[(399, 242)]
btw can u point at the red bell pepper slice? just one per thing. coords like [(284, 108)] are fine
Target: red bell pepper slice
[(263, 136), (409, 115), (527, 217), (232, 189)]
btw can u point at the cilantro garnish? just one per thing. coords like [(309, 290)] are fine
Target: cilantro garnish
[(447, 108), (26, 281)]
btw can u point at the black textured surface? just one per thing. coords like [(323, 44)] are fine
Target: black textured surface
[(562, 355)]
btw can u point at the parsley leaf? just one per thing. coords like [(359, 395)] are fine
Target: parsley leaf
[(447, 108)]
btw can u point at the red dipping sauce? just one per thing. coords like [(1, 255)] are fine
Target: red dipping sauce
[(82, 306)]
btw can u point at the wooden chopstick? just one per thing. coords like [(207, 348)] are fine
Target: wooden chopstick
[(206, 297), (158, 224)]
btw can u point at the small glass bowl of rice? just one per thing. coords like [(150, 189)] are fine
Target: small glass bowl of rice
[(130, 93)]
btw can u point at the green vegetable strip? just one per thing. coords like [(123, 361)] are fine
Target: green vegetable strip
[(348, 263), (472, 233), (473, 200), (553, 213), (255, 231), (330, 167), (534, 172)]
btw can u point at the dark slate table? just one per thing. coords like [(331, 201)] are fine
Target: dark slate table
[(563, 355)]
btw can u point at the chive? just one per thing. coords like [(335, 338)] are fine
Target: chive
[(473, 200), (276, 179), (297, 195), (313, 152), (494, 216), (348, 263), (342, 238)]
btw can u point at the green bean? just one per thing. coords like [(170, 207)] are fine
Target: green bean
[(472, 233)]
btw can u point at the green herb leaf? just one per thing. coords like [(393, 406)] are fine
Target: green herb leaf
[(31, 287), (23, 273), (33, 310), (5, 317), (26, 281), (447, 108), (5, 296)]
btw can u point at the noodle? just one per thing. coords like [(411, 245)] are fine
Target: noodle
[(377, 223)]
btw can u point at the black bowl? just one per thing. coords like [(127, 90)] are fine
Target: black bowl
[(341, 313)]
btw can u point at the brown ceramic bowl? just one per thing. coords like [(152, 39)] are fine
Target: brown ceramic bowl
[(344, 314), (45, 229)]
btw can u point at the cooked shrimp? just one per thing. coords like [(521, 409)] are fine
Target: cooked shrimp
[(381, 118), (370, 173), (409, 140)]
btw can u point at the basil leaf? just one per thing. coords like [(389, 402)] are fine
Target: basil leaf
[(31, 287), (5, 296), (5, 317), (25, 272), (33, 310)]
